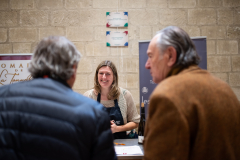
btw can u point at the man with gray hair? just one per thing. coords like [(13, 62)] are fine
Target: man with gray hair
[(192, 115), (45, 119)]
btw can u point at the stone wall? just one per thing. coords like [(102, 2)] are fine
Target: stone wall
[(24, 22)]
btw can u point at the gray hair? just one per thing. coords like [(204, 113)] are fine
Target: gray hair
[(180, 40), (54, 56)]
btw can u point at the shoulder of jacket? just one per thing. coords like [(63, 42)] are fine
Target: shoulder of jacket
[(123, 91), (89, 92)]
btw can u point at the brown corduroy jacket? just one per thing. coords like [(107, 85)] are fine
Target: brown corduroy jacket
[(192, 116)]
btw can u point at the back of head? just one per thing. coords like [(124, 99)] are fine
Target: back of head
[(54, 57), (180, 40)]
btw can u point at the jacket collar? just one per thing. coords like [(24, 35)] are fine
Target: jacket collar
[(181, 70), (63, 82)]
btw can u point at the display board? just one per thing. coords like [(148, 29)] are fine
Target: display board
[(145, 79), (14, 68)]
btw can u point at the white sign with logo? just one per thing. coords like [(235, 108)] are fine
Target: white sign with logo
[(117, 38), (117, 19)]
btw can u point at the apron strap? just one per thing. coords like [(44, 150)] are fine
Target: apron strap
[(99, 97)]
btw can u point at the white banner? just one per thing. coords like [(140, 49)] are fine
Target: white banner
[(12, 71)]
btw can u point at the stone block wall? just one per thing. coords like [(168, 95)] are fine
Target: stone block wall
[(24, 22)]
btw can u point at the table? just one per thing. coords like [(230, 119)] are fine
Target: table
[(130, 142)]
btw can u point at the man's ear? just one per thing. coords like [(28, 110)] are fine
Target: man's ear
[(172, 56)]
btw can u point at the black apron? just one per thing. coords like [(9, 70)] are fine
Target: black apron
[(116, 115)]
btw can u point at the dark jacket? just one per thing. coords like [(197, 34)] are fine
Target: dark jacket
[(193, 116), (45, 119)]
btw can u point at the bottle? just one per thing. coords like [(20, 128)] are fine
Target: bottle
[(141, 125)]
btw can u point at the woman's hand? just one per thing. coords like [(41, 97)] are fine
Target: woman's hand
[(113, 126), (127, 127)]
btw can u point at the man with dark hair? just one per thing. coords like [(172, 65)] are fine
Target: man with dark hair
[(192, 114), (45, 119)]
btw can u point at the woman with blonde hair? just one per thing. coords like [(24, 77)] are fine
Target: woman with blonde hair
[(118, 101)]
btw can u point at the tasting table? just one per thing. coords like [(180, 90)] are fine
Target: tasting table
[(130, 142)]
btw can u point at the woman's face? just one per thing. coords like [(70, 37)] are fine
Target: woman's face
[(105, 77)]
